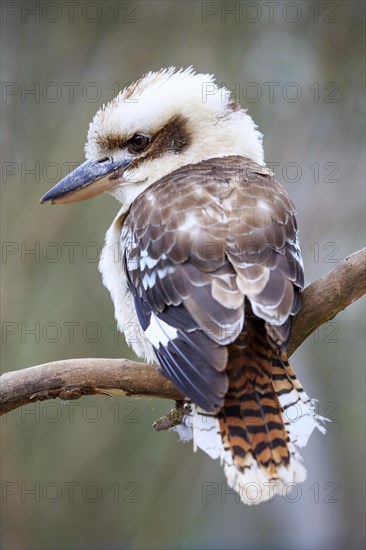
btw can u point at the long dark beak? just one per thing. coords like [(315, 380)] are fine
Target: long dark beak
[(87, 180)]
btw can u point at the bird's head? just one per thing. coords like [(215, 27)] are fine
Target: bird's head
[(163, 121)]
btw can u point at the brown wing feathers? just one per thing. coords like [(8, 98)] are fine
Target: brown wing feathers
[(202, 239)]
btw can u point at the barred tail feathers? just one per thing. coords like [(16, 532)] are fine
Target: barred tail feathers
[(259, 440), (266, 415)]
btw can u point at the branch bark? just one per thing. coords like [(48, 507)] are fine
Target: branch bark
[(73, 378)]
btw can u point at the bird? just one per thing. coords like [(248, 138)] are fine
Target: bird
[(203, 260)]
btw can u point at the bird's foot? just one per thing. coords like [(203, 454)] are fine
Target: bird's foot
[(173, 418)]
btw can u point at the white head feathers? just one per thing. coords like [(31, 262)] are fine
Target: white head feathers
[(218, 125)]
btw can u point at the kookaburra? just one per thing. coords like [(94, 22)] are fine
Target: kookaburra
[(208, 270)]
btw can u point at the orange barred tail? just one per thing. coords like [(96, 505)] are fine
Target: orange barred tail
[(265, 417), (266, 412)]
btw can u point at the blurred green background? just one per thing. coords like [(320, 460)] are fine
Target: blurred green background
[(93, 474)]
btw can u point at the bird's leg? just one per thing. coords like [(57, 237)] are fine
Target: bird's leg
[(174, 417)]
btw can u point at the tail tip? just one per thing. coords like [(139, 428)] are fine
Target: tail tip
[(254, 486)]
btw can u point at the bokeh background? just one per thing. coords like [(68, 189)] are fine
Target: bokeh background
[(93, 474)]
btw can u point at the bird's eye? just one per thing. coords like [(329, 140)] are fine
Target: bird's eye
[(138, 143)]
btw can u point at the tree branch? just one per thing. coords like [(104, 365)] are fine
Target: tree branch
[(323, 299), (72, 378)]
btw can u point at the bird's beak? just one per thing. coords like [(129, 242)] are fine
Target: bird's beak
[(87, 180)]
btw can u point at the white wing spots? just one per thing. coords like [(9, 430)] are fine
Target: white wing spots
[(159, 333), (131, 264), (165, 271), (146, 261), (149, 280), (114, 278)]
